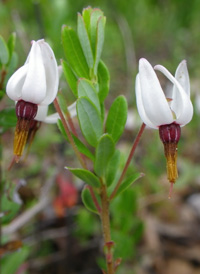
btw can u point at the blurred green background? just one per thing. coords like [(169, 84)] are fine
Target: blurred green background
[(162, 31)]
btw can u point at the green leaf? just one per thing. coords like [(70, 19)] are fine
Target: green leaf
[(112, 168), (11, 43), (99, 42), (104, 151), (128, 182), (11, 263), (87, 176), (94, 17), (104, 81), (81, 147), (4, 53), (86, 17), (89, 120), (70, 77), (74, 52), (116, 119), (85, 41), (86, 89), (87, 200)]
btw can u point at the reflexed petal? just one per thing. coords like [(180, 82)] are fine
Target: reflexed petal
[(52, 119), (182, 76), (140, 106), (154, 102), (41, 113), (51, 72), (181, 103), (15, 83), (34, 88)]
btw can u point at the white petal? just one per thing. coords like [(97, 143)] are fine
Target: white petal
[(182, 76), (15, 83), (154, 102), (52, 119), (41, 113), (140, 106), (51, 72), (34, 88), (181, 103)]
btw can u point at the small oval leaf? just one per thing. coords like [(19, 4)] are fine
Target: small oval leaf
[(4, 52), (99, 42), (89, 120), (128, 182), (87, 176), (86, 89), (94, 17), (74, 52), (11, 44), (104, 81), (86, 17), (104, 151), (116, 118), (112, 168), (85, 41), (70, 77)]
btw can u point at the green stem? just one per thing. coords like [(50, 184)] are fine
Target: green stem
[(71, 124), (105, 220), (135, 143)]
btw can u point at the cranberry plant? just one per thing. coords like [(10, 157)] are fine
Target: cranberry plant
[(95, 138), (89, 80)]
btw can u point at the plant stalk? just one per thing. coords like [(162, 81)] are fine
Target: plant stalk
[(105, 220), (79, 155), (135, 143)]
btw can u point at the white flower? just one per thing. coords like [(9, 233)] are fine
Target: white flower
[(153, 106), (37, 80), (53, 118)]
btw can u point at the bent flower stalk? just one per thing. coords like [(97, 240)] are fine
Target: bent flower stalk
[(33, 85), (168, 111)]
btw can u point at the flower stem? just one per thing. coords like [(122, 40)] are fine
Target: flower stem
[(105, 220), (71, 124), (71, 140), (135, 143)]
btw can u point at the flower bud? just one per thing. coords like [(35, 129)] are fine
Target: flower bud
[(33, 84), (170, 135), (26, 110)]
